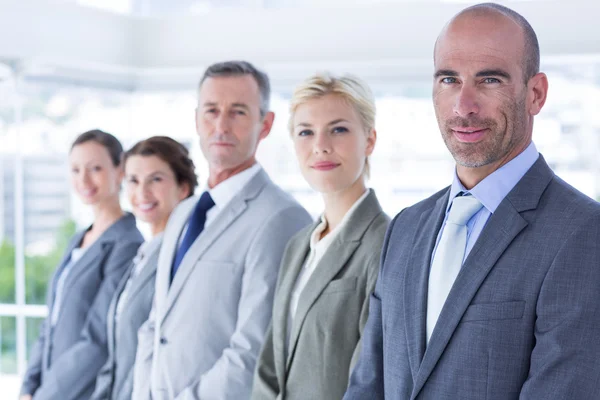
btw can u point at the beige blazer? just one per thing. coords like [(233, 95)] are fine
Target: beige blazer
[(331, 313)]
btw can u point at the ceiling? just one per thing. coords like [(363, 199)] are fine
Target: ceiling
[(382, 41)]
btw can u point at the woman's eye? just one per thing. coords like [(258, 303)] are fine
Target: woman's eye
[(340, 129), (305, 132)]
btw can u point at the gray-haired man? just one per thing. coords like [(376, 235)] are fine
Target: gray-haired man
[(220, 257)]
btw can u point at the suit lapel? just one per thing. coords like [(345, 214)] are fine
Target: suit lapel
[(99, 248), (501, 229), (146, 273), (51, 293), (417, 278), (207, 237), (110, 321), (63, 263), (333, 261), (173, 231), (95, 252), (293, 263)]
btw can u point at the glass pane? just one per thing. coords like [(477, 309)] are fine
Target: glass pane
[(42, 258), (7, 221), (7, 229), (8, 345)]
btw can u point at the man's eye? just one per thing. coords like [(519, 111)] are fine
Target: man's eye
[(491, 80), (448, 80)]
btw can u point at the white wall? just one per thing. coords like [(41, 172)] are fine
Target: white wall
[(381, 43)]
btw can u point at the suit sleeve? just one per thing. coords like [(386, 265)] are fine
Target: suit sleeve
[(266, 386), (103, 382), (230, 378), (366, 381), (32, 378), (142, 370), (373, 268), (76, 369), (564, 361)]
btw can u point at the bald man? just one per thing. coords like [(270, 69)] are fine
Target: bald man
[(489, 289)]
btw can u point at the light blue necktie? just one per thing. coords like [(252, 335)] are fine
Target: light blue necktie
[(449, 256)]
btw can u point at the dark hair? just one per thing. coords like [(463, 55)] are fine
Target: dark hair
[(531, 50), (240, 68), (173, 153), (111, 143)]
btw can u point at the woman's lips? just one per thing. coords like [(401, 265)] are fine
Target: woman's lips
[(324, 165)]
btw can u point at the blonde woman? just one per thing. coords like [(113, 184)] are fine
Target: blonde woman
[(329, 269)]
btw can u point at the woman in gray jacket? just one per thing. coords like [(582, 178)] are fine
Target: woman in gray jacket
[(329, 269), (64, 361), (159, 174)]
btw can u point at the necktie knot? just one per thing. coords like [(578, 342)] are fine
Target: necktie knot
[(205, 203), (463, 208)]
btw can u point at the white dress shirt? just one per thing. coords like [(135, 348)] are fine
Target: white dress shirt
[(76, 255), (318, 248), (223, 193)]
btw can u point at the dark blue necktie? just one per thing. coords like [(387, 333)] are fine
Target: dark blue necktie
[(195, 226)]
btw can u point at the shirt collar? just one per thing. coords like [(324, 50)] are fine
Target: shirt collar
[(496, 186), (225, 191), (314, 239)]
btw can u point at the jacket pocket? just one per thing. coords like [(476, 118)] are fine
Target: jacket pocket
[(495, 311), (340, 285)]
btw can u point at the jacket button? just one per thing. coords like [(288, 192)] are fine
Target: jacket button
[(163, 340)]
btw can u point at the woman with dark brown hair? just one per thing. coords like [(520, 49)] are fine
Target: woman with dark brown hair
[(159, 174)]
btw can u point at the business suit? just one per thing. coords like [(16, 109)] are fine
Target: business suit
[(205, 330), (66, 358), (522, 318), (331, 313), (115, 379)]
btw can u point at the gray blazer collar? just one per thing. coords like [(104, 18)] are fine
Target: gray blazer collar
[(501, 229), (99, 247), (147, 272), (336, 257), (225, 218)]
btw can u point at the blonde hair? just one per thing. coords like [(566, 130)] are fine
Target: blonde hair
[(350, 88)]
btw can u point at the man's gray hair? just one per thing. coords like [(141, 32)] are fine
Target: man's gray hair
[(240, 68)]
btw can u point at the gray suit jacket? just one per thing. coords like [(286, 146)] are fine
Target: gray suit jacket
[(205, 331), (115, 379), (331, 313), (522, 319), (64, 361)]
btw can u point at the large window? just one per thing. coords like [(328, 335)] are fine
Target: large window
[(39, 120)]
